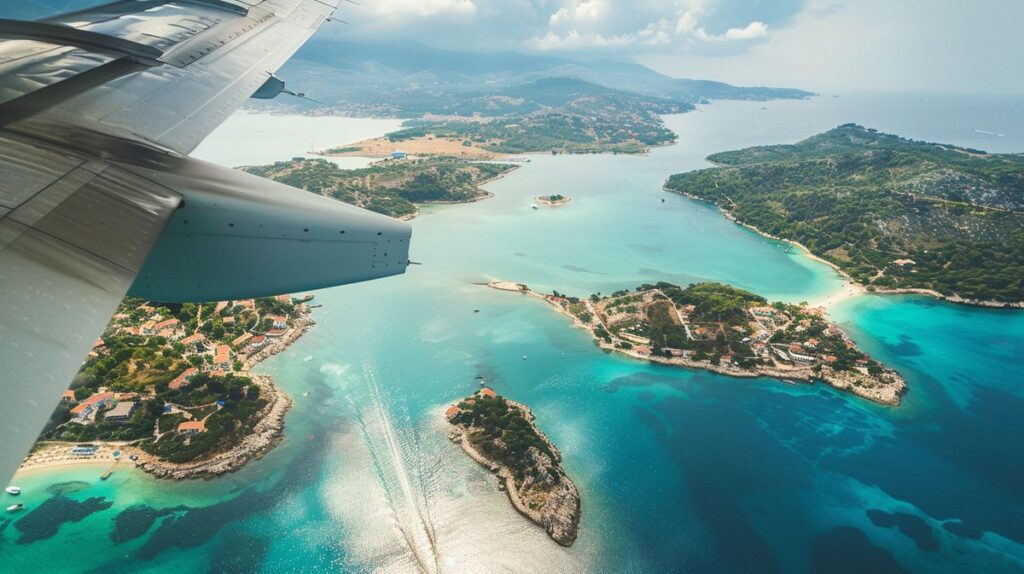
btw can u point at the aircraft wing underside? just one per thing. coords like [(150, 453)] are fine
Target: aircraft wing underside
[(98, 110)]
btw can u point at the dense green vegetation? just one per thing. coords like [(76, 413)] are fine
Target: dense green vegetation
[(225, 426), (144, 365), (891, 212), (502, 433), (558, 115), (389, 187), (409, 80)]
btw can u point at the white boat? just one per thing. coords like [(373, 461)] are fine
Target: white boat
[(534, 205), (15, 507), (12, 490)]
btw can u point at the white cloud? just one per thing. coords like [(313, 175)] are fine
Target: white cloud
[(573, 40), (399, 9), (587, 12), (753, 30)]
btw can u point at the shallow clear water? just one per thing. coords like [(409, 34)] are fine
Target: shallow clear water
[(679, 470)]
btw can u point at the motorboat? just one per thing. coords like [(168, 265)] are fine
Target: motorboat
[(14, 490)]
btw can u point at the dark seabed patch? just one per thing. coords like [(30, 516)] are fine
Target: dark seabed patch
[(905, 348), (963, 530), (69, 487), (914, 527), (578, 269), (46, 519), (921, 465), (198, 525), (518, 254), (240, 553), (137, 520), (847, 550)]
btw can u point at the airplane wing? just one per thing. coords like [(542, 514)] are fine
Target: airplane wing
[(98, 111)]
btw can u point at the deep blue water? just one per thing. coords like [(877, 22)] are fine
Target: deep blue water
[(680, 471)]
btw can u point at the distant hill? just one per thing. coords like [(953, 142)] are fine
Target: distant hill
[(409, 79), (891, 212)]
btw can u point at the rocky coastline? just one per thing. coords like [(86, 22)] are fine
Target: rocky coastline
[(889, 394), (266, 434), (550, 499)]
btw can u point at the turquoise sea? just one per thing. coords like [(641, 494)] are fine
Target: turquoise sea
[(680, 471)]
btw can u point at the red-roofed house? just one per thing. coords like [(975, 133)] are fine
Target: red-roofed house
[(279, 321), (68, 395), (485, 392), (221, 305), (222, 359), (183, 379), (256, 343), (241, 340), (99, 343), (168, 324), (451, 412), (194, 339), (284, 298), (192, 427), (96, 401)]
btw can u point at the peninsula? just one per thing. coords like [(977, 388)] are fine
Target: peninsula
[(394, 186), (169, 389), (726, 330), (500, 434), (892, 214)]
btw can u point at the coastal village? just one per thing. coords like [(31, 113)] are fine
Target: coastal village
[(729, 331), (169, 389)]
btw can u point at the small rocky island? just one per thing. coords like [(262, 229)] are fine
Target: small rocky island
[(726, 330), (500, 435), (556, 200)]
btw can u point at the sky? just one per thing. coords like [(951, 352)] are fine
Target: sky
[(963, 46), (938, 46)]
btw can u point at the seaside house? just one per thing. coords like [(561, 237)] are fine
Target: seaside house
[(222, 358), (279, 322), (284, 298), (220, 306), (256, 343), (486, 392), (192, 427), (68, 395), (194, 340), (241, 340), (451, 412), (84, 409), (183, 379)]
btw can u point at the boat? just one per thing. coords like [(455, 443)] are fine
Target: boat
[(534, 205), (13, 490), (524, 357), (15, 507)]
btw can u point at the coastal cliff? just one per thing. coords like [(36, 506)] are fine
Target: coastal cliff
[(500, 435)]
